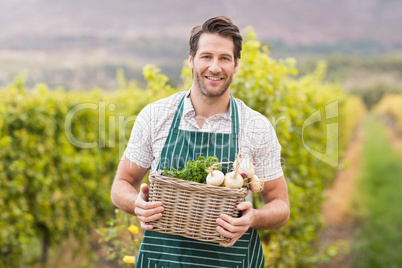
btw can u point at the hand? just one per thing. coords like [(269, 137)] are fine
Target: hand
[(147, 211), (234, 228)]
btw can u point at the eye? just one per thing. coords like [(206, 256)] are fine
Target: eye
[(226, 58), (205, 57)]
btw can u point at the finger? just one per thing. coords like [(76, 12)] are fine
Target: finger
[(233, 237), (228, 244), (142, 198), (145, 226), (141, 203), (244, 206), (236, 229), (244, 219), (225, 232), (226, 225), (233, 221), (151, 218), (144, 192), (148, 210), (227, 218)]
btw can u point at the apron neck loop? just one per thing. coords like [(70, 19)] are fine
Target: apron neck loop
[(234, 115)]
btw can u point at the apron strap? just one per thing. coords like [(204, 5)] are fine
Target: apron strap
[(177, 115), (234, 115)]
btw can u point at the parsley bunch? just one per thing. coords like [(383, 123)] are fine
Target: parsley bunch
[(194, 170)]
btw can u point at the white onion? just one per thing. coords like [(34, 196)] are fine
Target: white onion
[(233, 182), (216, 178), (246, 167)]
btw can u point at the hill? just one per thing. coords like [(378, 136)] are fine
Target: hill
[(80, 44), (293, 22)]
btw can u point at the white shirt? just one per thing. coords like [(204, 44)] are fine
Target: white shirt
[(257, 138)]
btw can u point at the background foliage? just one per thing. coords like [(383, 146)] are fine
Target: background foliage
[(52, 189), (391, 106)]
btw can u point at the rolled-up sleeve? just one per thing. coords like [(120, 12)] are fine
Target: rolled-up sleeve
[(139, 149), (264, 148)]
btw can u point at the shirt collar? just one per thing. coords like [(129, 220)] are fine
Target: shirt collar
[(188, 109)]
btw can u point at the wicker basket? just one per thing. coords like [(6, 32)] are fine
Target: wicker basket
[(191, 208)]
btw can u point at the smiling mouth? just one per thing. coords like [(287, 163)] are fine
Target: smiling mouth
[(213, 78)]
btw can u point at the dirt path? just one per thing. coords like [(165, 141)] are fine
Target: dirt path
[(394, 134), (337, 208), (340, 225)]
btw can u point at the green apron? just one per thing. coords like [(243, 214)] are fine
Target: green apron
[(165, 250)]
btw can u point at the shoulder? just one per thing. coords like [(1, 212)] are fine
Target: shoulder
[(256, 131), (163, 106), (250, 118), (172, 99)]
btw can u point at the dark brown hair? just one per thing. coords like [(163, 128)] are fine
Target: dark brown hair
[(217, 25)]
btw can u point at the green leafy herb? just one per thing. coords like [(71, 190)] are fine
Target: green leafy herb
[(194, 170)]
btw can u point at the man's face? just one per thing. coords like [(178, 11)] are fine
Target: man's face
[(213, 65)]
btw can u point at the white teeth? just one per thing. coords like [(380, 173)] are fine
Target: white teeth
[(214, 78)]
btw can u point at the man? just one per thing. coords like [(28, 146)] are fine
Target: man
[(172, 131)]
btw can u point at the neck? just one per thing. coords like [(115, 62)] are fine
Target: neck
[(206, 107)]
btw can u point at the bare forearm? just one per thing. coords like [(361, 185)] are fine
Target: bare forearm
[(272, 215), (126, 182), (123, 196)]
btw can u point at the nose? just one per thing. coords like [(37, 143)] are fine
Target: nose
[(214, 67)]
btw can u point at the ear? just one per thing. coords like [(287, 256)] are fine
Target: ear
[(237, 66), (190, 62)]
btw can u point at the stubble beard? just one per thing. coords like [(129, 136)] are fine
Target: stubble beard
[(203, 90)]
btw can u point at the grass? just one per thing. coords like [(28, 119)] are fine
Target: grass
[(378, 240)]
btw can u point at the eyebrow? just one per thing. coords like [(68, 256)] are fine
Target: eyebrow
[(221, 55)]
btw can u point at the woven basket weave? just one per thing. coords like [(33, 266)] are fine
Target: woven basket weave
[(191, 208)]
